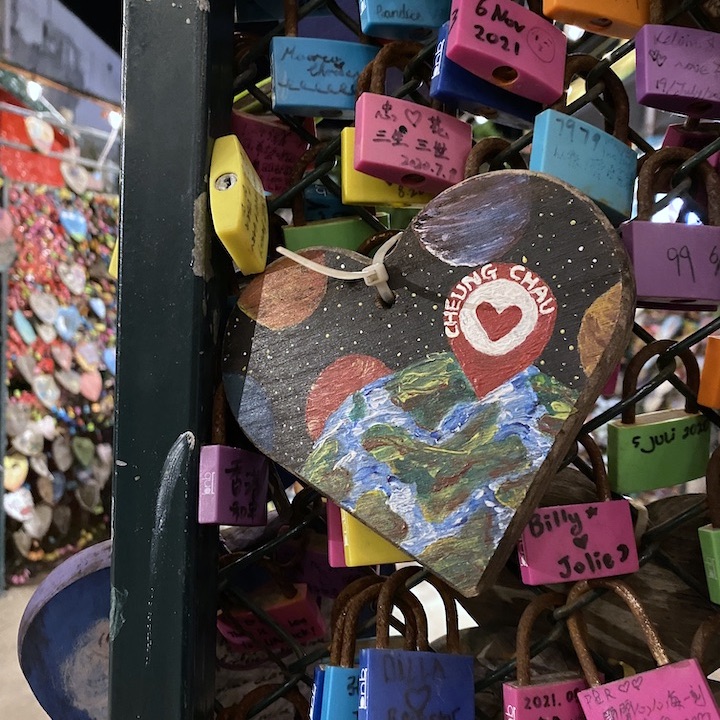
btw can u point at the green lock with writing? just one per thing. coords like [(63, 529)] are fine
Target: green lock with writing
[(658, 449), (710, 534)]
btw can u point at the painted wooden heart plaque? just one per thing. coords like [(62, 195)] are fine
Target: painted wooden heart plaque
[(439, 421)]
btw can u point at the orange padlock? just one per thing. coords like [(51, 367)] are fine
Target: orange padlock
[(621, 19), (709, 390)]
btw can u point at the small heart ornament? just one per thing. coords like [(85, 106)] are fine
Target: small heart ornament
[(73, 277), (44, 305), (74, 223), (439, 420), (62, 453), (87, 355), (88, 495), (59, 484), (76, 176), (91, 385), (97, 305), (63, 356), (29, 442), (47, 391), (19, 504), (84, 450), (109, 358), (41, 133), (45, 489), (39, 522), (17, 417), (39, 465), (47, 425), (16, 471), (47, 333), (69, 379), (68, 323), (26, 365), (24, 327), (61, 519)]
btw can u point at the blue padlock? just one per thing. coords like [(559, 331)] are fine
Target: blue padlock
[(601, 165), (313, 77), (456, 87), (403, 19)]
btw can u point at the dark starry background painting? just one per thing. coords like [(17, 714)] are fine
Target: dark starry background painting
[(538, 224)]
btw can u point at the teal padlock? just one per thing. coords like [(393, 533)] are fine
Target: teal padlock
[(657, 449), (403, 20), (314, 77), (710, 534), (601, 165)]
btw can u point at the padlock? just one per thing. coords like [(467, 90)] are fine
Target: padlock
[(313, 76), (677, 70), (456, 87), (272, 147), (401, 683), (618, 19), (674, 262), (238, 207), (346, 232), (241, 710), (485, 151), (709, 391), (601, 165), (341, 691), (710, 534), (553, 695), (361, 189), (672, 690), (233, 483), (661, 448), (403, 142), (565, 543), (608, 390), (510, 46), (403, 20), (694, 135)]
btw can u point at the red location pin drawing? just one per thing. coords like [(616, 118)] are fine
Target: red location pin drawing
[(498, 320)]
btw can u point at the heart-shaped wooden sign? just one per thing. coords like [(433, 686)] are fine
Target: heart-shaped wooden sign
[(76, 176), (438, 421)]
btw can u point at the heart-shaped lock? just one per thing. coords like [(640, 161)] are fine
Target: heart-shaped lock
[(41, 133), (87, 355), (61, 519), (29, 442), (24, 327), (26, 365), (74, 223), (109, 358), (84, 449), (59, 484), (75, 176), (97, 305), (91, 385), (46, 390), (47, 333), (439, 420), (73, 277), (63, 356), (39, 465), (62, 453), (17, 417), (68, 323), (47, 425), (88, 495), (69, 379), (19, 504), (46, 489), (16, 471), (37, 525), (44, 305)]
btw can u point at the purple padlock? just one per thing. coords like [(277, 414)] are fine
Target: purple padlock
[(509, 46), (677, 70), (233, 486), (694, 135), (676, 266)]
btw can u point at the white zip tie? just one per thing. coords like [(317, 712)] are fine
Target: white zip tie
[(374, 275)]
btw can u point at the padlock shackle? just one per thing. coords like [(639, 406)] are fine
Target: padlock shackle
[(579, 641), (486, 150), (614, 93), (291, 13), (452, 623), (707, 629), (218, 430), (712, 487), (240, 710), (298, 201), (537, 606), (397, 53), (598, 466), (394, 586), (651, 176), (637, 363)]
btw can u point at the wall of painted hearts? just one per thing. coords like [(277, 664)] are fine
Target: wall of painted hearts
[(60, 370)]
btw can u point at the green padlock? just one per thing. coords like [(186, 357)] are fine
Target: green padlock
[(343, 232), (710, 534), (657, 449)]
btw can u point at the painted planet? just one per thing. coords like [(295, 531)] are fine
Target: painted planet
[(337, 382)]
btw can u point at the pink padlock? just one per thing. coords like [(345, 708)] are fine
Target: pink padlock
[(509, 45), (400, 141), (336, 544), (551, 696), (677, 70), (671, 691), (695, 136), (563, 543)]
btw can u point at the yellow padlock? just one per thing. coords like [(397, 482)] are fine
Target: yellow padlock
[(238, 207), (113, 268), (361, 189), (364, 546), (620, 19)]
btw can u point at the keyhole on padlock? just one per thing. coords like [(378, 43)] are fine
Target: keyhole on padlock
[(226, 181), (601, 22), (411, 179), (505, 75)]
